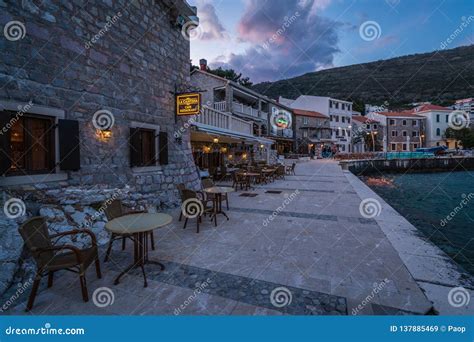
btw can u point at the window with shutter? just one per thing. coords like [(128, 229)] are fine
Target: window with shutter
[(69, 145), (29, 145), (142, 147)]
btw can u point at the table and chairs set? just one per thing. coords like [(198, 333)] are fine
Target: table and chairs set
[(124, 225)]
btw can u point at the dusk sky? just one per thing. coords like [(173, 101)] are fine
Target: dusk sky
[(274, 39)]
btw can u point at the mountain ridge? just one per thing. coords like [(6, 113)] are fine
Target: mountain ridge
[(439, 77)]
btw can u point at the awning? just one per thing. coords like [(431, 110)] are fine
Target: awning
[(231, 136)]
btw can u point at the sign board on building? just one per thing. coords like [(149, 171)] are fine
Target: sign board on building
[(188, 104)]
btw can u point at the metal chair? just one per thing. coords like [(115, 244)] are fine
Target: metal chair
[(51, 257), (113, 210), (208, 183)]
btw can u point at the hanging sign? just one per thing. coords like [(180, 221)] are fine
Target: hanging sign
[(188, 104)]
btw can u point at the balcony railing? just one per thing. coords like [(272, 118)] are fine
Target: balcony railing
[(218, 119), (241, 108), (220, 106)]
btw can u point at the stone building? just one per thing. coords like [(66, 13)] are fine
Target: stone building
[(312, 131), (87, 109)]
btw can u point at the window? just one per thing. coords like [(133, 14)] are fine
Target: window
[(337, 118), (438, 132), (394, 147), (348, 107), (404, 122), (32, 145), (437, 117), (305, 134), (404, 147), (348, 120), (447, 118), (343, 119), (330, 104), (305, 120), (415, 146), (404, 133), (414, 122), (368, 126), (337, 105), (343, 106), (394, 133), (332, 119), (392, 122), (375, 126), (147, 147), (414, 133)]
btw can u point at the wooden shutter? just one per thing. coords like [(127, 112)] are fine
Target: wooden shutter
[(5, 151), (134, 143), (69, 145), (163, 146)]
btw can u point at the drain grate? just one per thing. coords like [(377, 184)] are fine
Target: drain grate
[(247, 194), (273, 192)]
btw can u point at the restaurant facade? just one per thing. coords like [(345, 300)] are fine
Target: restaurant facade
[(236, 124)]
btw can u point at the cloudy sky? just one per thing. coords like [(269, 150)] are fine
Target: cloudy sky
[(274, 39)]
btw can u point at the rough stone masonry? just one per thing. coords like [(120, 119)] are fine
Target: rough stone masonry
[(80, 57)]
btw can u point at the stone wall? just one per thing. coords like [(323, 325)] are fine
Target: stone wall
[(122, 56)]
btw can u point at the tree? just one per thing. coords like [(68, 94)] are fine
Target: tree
[(465, 135)]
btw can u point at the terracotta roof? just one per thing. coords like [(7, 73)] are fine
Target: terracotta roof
[(309, 113), (363, 119), (429, 107), (404, 114)]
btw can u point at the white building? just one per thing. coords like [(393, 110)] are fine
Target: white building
[(339, 112), (466, 105), (437, 121)]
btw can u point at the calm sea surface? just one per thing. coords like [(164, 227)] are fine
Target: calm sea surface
[(426, 199)]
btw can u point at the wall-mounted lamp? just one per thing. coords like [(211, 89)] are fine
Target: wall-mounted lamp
[(262, 146), (215, 140), (104, 135), (244, 156), (224, 149)]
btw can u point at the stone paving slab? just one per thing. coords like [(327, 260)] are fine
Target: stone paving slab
[(318, 246)]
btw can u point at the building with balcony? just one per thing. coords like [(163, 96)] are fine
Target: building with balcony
[(238, 116), (367, 134), (338, 111), (313, 132)]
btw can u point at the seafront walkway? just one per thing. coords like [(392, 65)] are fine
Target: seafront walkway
[(299, 246)]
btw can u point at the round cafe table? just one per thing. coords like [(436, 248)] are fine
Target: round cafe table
[(217, 191), (138, 225)]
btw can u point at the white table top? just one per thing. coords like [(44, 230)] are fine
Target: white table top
[(218, 189), (137, 223)]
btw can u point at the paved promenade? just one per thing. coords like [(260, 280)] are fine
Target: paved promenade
[(303, 248)]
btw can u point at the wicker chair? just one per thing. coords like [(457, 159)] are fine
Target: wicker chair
[(51, 257), (280, 172), (113, 210), (190, 194), (208, 183), (239, 181)]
